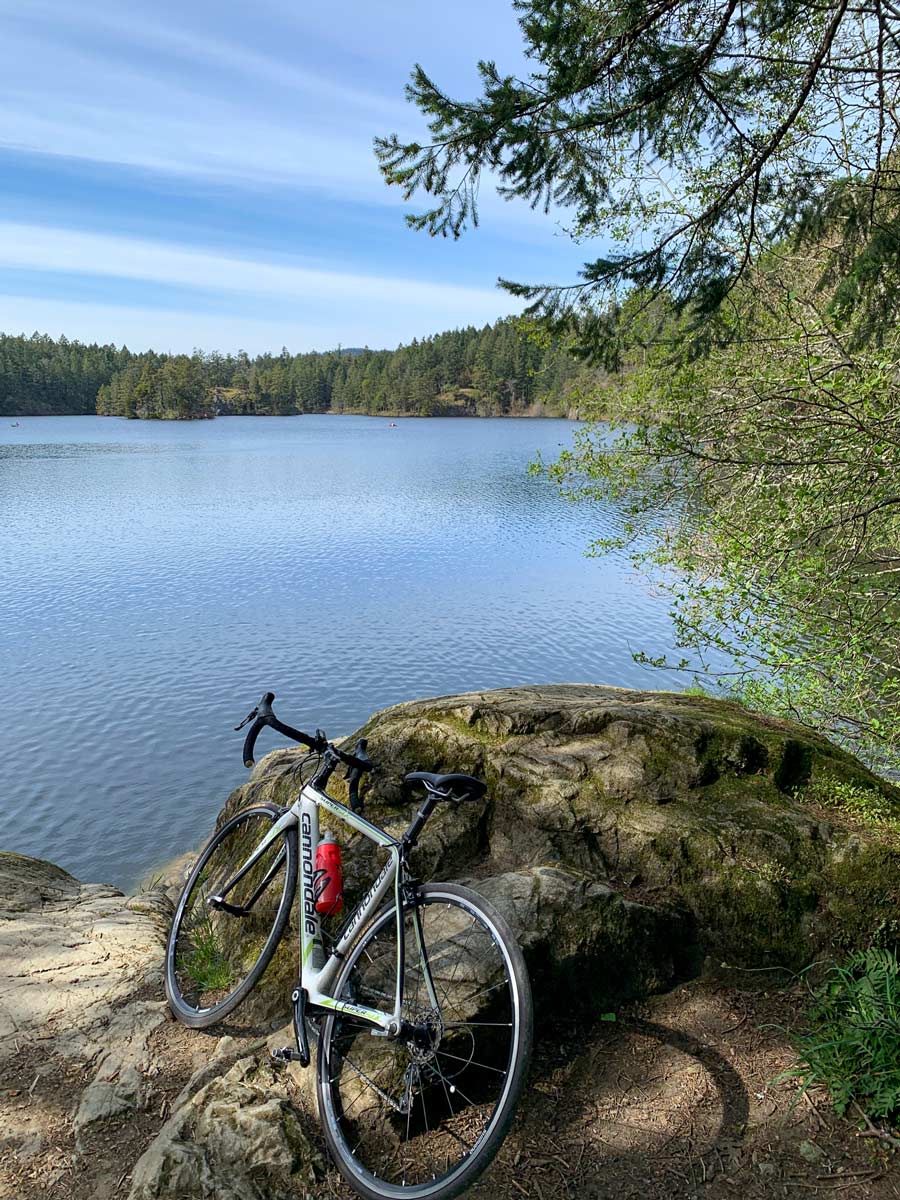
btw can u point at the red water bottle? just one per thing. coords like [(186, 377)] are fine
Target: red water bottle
[(329, 876)]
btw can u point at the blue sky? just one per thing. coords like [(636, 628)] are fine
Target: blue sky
[(201, 174)]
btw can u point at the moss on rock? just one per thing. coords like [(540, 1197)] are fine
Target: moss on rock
[(695, 807)]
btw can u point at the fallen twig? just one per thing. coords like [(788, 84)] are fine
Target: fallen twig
[(872, 1130)]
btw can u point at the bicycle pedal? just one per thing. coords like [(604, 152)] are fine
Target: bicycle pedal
[(286, 1054)]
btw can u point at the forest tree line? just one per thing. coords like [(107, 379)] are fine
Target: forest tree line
[(498, 370), (43, 377)]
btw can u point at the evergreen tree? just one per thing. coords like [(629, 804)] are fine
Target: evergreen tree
[(687, 135), (739, 166)]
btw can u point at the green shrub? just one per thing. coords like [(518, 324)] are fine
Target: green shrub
[(852, 1046), (866, 804)]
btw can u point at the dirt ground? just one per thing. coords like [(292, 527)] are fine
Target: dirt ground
[(676, 1099), (673, 1099)]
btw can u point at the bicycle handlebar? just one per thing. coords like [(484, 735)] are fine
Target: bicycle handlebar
[(262, 716), (356, 763)]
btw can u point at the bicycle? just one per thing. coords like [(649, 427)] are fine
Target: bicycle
[(422, 1007)]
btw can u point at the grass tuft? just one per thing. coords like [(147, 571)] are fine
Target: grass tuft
[(866, 804), (207, 965)]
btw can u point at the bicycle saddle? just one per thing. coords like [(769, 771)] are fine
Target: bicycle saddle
[(453, 787)]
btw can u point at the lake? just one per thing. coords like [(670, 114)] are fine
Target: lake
[(158, 577)]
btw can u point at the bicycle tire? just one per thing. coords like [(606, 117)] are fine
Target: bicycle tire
[(202, 1017), (361, 1178)]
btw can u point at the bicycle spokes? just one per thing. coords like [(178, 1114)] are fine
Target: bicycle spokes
[(227, 915), (411, 1109)]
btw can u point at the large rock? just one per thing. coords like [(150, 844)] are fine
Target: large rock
[(80, 977), (625, 835), (238, 1138)]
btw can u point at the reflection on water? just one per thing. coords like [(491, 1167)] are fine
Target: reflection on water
[(158, 577)]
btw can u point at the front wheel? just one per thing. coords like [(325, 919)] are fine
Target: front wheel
[(217, 952), (419, 1117)]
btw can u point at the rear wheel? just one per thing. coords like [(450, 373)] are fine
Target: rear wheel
[(214, 956), (422, 1115)]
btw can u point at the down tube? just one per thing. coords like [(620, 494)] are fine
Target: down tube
[(312, 951)]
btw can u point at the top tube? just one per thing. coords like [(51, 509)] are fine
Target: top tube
[(348, 816)]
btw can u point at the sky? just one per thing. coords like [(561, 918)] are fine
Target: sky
[(201, 174)]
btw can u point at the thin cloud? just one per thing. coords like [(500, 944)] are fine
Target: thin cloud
[(251, 120), (44, 248), (262, 304), (214, 124), (181, 330), (135, 33), (167, 331)]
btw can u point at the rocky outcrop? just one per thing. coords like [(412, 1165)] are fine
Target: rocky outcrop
[(627, 836), (122, 1077), (81, 984), (73, 956), (238, 1138)]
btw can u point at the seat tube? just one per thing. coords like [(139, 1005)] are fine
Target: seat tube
[(312, 951), (399, 981)]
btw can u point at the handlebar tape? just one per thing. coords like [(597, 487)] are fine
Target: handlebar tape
[(250, 741), (353, 790)]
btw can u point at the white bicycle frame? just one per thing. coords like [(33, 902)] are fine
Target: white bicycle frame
[(318, 974)]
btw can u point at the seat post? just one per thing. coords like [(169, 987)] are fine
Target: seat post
[(417, 824)]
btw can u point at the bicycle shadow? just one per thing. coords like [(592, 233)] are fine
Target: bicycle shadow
[(733, 1095), (637, 1109)]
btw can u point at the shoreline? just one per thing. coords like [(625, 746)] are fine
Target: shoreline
[(379, 416)]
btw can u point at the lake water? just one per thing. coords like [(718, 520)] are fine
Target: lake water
[(158, 577)]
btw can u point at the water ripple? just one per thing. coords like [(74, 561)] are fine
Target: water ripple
[(157, 577)]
